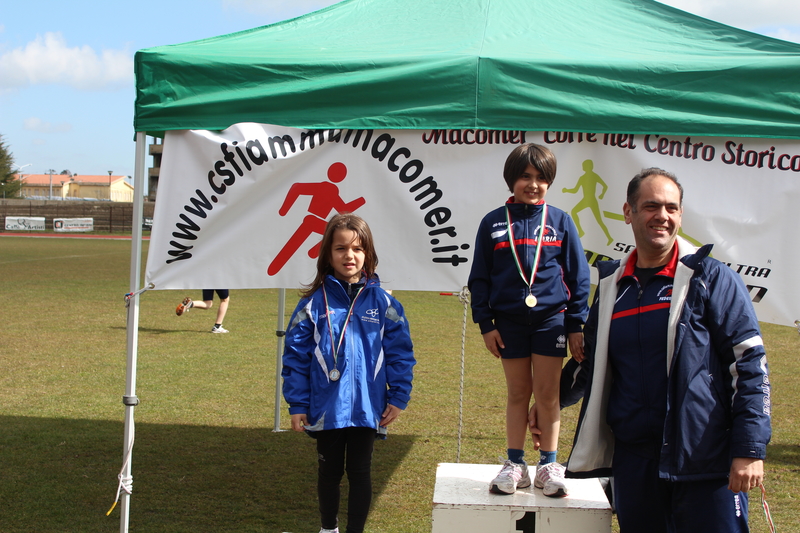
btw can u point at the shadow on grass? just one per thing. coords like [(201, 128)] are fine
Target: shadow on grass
[(784, 454), (61, 475), (159, 331)]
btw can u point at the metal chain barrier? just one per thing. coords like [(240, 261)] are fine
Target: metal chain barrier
[(463, 297)]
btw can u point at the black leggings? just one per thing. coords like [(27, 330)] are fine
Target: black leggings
[(340, 449)]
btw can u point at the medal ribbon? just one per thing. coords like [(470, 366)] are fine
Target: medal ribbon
[(335, 348), (517, 261)]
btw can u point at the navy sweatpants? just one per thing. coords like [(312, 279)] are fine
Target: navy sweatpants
[(647, 504)]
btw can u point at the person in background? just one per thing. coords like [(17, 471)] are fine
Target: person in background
[(208, 303)]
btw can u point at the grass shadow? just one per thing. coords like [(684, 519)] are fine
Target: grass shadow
[(162, 331), (185, 478), (784, 455)]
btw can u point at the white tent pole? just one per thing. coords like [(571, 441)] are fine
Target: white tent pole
[(130, 400), (279, 356)]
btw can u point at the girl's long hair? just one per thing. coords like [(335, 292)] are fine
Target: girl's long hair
[(354, 223)]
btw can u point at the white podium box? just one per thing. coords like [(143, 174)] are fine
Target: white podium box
[(462, 503)]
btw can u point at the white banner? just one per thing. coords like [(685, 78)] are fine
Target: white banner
[(245, 207), (73, 224), (25, 223)]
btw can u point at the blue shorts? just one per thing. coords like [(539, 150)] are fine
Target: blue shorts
[(208, 294), (544, 338)]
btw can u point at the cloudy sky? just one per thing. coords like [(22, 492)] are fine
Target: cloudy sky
[(66, 68)]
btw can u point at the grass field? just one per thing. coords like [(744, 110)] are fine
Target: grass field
[(206, 458)]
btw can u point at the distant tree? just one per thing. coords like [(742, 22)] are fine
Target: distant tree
[(66, 173), (10, 187)]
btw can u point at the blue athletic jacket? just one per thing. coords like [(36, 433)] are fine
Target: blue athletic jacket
[(716, 382), (562, 279), (375, 360)]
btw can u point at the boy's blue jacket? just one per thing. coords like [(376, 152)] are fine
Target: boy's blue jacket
[(718, 392), (562, 279), (375, 359)]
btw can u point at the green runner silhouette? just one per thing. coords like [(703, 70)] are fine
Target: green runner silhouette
[(588, 182)]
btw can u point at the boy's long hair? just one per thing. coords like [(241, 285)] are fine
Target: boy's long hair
[(354, 223)]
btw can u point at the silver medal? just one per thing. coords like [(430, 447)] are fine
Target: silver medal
[(335, 374), (530, 300)]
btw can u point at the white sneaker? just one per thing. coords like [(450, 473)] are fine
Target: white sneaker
[(220, 329), (334, 530), (511, 477), (550, 478)]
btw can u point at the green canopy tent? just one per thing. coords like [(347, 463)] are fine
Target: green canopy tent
[(626, 66), (602, 66)]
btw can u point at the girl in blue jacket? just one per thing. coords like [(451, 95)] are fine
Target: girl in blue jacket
[(347, 366)]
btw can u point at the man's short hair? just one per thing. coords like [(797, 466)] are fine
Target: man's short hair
[(636, 183)]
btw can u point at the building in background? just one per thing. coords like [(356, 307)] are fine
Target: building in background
[(75, 187), (156, 150)]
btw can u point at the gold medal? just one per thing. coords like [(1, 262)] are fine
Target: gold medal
[(334, 374), (530, 299)]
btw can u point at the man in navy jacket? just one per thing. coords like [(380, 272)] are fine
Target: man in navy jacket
[(677, 395)]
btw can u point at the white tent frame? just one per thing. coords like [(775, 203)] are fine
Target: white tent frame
[(130, 400)]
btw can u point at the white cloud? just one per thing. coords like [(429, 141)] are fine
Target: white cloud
[(744, 14), (787, 34), (38, 125), (48, 60)]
